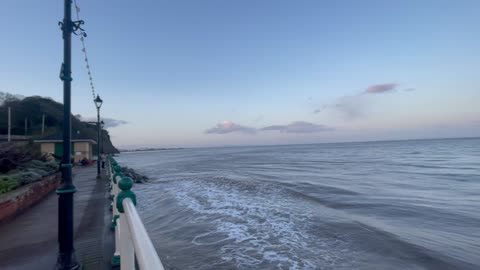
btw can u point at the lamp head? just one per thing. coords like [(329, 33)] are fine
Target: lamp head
[(98, 102)]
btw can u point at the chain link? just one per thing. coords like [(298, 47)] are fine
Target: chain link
[(84, 50)]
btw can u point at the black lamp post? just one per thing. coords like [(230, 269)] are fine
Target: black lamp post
[(98, 103), (102, 124), (66, 259)]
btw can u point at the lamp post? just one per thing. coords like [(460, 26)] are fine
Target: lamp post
[(98, 103), (66, 259), (102, 124)]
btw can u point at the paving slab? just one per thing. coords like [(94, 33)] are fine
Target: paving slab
[(29, 241)]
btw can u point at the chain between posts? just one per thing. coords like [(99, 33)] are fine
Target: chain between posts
[(83, 35)]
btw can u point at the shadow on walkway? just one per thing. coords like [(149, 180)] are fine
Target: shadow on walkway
[(29, 241)]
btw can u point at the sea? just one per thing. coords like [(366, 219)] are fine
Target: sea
[(411, 204)]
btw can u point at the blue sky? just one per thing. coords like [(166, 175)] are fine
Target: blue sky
[(205, 73)]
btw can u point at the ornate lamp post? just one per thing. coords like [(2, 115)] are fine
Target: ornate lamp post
[(66, 259), (102, 124), (98, 103)]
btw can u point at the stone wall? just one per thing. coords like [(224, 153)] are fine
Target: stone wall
[(15, 201)]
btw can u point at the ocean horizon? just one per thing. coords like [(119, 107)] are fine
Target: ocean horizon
[(162, 148)]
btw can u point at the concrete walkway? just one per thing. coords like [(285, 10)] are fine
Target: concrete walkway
[(29, 241)]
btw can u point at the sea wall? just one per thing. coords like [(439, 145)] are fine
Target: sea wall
[(15, 201)]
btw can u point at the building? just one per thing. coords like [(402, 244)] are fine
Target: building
[(81, 147)]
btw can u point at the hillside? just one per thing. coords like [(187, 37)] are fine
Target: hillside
[(32, 108)]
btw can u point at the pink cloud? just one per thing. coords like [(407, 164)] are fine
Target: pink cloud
[(229, 127), (380, 88)]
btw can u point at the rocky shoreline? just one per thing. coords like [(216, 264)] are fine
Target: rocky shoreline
[(136, 177)]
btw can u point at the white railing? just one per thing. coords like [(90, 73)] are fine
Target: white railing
[(131, 237)]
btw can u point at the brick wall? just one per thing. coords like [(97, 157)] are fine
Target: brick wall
[(15, 201)]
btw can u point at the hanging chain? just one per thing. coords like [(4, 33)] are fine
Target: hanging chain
[(83, 35)]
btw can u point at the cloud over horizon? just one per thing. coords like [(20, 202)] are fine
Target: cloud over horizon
[(380, 88), (226, 127), (298, 127), (319, 110), (108, 122), (351, 106), (229, 127), (354, 106)]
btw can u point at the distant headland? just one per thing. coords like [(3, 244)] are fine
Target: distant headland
[(148, 149)]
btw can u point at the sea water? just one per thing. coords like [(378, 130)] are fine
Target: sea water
[(374, 205)]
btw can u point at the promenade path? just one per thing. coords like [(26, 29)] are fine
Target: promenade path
[(29, 241)]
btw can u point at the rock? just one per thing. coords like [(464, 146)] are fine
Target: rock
[(137, 178)]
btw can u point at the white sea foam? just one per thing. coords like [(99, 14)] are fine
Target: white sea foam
[(257, 225)]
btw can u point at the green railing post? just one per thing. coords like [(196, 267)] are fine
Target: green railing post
[(126, 248), (115, 171), (125, 185)]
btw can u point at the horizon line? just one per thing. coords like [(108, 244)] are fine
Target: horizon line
[(159, 148)]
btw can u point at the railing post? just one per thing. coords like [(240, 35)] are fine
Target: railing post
[(115, 216), (131, 239), (127, 252), (117, 175), (116, 254)]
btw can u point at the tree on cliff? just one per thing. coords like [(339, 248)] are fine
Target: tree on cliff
[(32, 109)]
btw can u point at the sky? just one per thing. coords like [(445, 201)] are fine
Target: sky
[(224, 72)]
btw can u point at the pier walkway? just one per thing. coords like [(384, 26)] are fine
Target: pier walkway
[(29, 241)]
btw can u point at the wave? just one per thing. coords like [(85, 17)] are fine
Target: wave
[(257, 225), (266, 225)]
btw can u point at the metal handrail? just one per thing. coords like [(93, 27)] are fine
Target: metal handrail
[(145, 252), (131, 237)]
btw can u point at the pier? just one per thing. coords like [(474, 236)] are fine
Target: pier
[(108, 232), (30, 240)]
